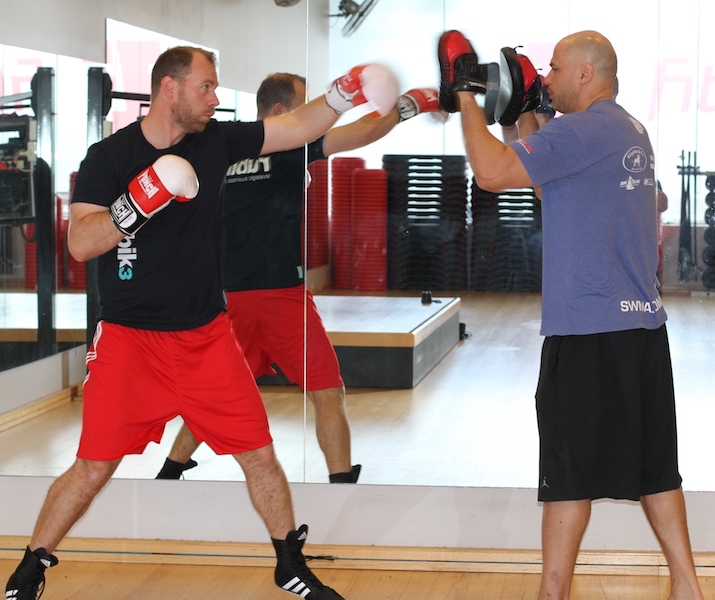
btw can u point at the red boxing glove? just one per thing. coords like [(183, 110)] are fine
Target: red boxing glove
[(460, 70), (151, 190), (371, 84), (416, 101), (532, 84)]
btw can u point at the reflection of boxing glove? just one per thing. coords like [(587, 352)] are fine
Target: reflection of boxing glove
[(532, 84), (169, 177), (460, 70), (416, 101), (371, 84)]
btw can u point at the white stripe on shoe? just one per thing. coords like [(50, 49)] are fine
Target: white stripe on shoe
[(297, 586)]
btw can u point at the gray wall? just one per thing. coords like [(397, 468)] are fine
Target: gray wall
[(254, 37)]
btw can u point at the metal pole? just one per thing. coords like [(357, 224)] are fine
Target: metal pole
[(694, 215), (42, 104), (96, 105)]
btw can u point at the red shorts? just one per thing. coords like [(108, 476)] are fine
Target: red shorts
[(139, 379), (270, 326)]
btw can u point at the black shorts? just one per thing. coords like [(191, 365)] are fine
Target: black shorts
[(606, 411)]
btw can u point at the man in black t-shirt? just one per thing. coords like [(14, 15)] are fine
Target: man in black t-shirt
[(147, 204), (263, 273)]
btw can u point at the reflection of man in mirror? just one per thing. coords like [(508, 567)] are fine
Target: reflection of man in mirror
[(147, 204), (605, 400), (270, 308)]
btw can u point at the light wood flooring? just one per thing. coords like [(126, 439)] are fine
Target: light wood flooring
[(113, 581), (469, 422)]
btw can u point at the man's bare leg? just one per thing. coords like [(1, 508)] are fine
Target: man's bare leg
[(270, 495), (562, 529), (666, 514), (268, 489), (184, 445), (332, 428), (68, 499)]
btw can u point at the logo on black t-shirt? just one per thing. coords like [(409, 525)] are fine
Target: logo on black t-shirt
[(249, 169), (126, 254)]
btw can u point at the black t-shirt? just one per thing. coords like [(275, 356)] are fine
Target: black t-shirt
[(167, 277), (263, 208)]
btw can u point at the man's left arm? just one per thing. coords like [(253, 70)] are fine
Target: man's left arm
[(373, 127), (357, 134), (496, 166)]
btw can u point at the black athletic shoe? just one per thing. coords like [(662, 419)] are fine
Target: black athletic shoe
[(350, 477), (293, 575), (28, 580), (175, 470)]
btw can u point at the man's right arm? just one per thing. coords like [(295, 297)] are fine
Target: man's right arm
[(496, 166), (96, 229), (91, 231)]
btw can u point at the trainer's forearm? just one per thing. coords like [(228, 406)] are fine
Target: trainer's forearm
[(527, 124), (496, 166)]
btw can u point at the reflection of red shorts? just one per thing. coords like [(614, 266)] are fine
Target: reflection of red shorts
[(139, 379), (269, 325)]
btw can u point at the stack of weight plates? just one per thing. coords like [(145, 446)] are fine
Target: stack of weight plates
[(317, 243), (506, 241), (369, 229), (483, 233), (341, 248), (427, 222)]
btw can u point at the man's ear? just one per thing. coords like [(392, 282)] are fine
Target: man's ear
[(278, 109), (169, 87), (587, 73)]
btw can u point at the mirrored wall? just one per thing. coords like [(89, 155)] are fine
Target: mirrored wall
[(469, 420)]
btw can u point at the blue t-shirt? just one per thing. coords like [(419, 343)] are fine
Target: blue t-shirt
[(599, 219)]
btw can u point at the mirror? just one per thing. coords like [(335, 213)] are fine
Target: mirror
[(470, 421), (28, 207)]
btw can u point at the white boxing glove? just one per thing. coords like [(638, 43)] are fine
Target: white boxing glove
[(371, 84), (151, 190)]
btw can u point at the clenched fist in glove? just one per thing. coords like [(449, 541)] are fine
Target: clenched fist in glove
[(170, 177), (371, 84)]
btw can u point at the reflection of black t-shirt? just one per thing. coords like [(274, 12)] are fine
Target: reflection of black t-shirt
[(167, 277), (262, 212)]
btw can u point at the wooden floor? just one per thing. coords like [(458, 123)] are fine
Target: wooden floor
[(111, 581), (470, 422)]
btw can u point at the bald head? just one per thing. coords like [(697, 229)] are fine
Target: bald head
[(590, 47), (583, 71)]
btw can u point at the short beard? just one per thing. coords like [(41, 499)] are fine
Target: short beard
[(185, 118)]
